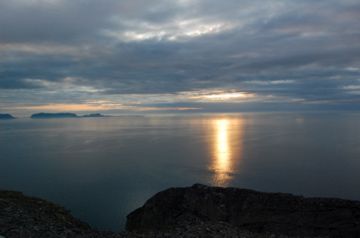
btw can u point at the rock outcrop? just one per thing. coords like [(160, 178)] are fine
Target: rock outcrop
[(27, 217), (277, 213), (197, 211)]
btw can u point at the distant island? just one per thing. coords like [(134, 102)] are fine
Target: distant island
[(6, 116), (45, 115), (94, 115)]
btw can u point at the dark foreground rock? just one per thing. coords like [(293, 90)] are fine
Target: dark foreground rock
[(257, 212), (197, 211), (27, 217)]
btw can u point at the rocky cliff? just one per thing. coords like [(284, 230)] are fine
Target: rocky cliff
[(257, 212)]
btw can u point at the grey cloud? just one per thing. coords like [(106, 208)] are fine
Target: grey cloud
[(58, 21), (310, 43)]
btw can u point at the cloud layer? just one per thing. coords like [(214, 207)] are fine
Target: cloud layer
[(197, 54)]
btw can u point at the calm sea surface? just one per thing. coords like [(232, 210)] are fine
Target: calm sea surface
[(103, 168)]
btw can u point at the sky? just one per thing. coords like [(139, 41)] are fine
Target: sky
[(145, 56)]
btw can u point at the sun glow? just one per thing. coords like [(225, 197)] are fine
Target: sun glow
[(60, 107), (224, 96), (100, 106), (173, 31)]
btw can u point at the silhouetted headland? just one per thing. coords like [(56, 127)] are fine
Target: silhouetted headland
[(197, 211), (6, 116)]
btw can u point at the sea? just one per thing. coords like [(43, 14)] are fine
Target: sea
[(101, 169)]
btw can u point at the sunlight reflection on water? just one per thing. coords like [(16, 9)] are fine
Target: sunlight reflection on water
[(226, 133)]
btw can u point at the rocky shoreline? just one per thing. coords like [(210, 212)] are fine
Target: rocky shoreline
[(197, 211)]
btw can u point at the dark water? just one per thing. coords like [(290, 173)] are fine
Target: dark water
[(103, 168)]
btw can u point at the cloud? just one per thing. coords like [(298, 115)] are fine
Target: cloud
[(162, 52), (100, 106)]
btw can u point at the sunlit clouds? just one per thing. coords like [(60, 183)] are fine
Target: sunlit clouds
[(182, 30), (225, 96), (137, 102), (72, 107), (191, 101), (100, 106)]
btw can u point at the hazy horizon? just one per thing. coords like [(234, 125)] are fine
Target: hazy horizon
[(21, 115)]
